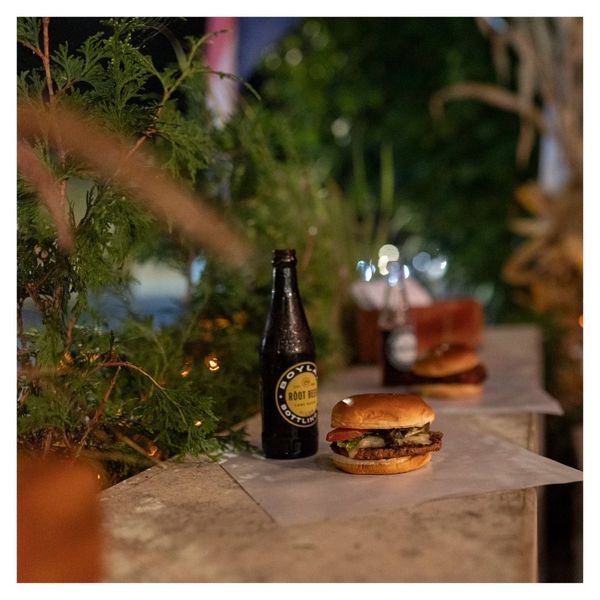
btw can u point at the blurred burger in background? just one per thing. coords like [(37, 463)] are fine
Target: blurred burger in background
[(449, 371)]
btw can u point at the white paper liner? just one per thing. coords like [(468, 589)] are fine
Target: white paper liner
[(503, 392), (512, 385), (371, 295), (312, 489)]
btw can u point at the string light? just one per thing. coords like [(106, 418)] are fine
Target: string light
[(206, 324), (198, 423), (152, 451), (212, 363), (240, 317)]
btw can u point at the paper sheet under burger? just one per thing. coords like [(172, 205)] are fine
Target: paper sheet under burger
[(311, 489), (512, 384), (506, 390)]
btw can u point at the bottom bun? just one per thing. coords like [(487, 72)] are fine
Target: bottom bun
[(451, 390), (385, 466)]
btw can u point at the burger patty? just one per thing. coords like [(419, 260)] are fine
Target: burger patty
[(396, 451), (475, 375)]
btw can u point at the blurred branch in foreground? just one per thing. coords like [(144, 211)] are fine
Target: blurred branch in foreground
[(108, 155), (38, 174)]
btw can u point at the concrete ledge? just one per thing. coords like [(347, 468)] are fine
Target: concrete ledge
[(162, 529), (191, 522)]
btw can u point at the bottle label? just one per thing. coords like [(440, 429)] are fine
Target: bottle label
[(401, 348), (296, 394)]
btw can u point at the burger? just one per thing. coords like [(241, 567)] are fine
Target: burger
[(449, 370), (382, 434)]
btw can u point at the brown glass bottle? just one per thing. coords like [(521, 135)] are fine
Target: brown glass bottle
[(288, 369), (398, 331)]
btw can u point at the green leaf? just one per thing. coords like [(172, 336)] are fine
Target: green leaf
[(28, 30)]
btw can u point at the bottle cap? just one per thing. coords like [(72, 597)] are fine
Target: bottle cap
[(284, 257)]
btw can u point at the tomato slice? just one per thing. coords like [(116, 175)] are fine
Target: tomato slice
[(342, 434)]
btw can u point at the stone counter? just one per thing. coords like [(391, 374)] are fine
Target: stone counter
[(161, 529)]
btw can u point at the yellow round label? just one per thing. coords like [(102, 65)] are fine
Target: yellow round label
[(296, 394)]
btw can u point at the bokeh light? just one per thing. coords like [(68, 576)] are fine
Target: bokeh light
[(421, 261), (212, 362), (293, 57), (366, 270), (387, 253), (437, 267), (340, 127)]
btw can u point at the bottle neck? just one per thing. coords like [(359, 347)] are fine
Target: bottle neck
[(396, 308), (285, 280), (287, 330)]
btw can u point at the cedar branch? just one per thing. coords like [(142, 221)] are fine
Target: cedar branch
[(46, 58), (99, 412), (128, 365), (138, 448), (171, 202)]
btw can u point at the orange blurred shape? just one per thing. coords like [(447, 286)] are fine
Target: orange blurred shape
[(59, 537), (458, 321)]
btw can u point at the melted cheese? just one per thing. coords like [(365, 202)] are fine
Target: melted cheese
[(369, 441), (419, 438)]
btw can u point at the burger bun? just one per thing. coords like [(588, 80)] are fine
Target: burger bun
[(451, 390), (386, 466), (381, 411), (446, 359)]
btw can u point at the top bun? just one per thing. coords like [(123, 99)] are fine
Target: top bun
[(446, 359), (381, 411)]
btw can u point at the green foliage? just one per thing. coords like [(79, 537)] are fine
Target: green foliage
[(284, 201), (116, 395), (28, 31), (352, 110), (130, 393), (358, 92)]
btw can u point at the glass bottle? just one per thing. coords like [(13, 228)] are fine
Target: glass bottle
[(398, 329), (288, 369)]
